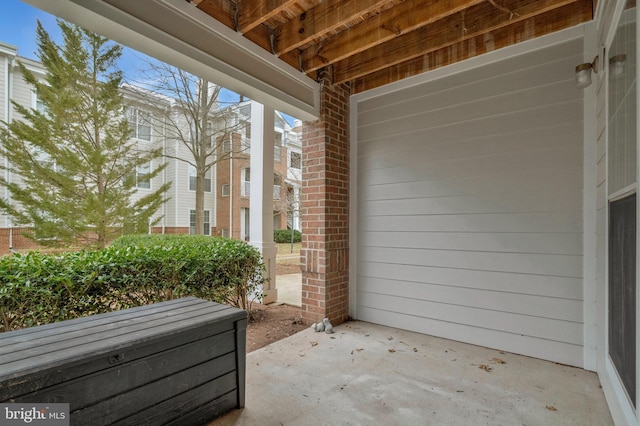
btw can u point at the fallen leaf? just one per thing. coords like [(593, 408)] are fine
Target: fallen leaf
[(551, 408), (392, 350), (485, 367), (459, 391), (314, 344), (415, 349), (390, 338), (499, 361)]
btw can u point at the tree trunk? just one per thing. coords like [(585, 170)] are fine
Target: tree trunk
[(200, 201)]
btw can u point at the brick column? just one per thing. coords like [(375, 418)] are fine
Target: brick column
[(324, 256)]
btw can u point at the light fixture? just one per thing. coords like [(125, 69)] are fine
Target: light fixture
[(583, 73), (616, 66)]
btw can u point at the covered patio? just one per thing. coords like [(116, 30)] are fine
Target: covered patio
[(367, 374), (456, 183)]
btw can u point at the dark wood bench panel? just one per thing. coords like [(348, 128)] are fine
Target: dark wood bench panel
[(162, 361)]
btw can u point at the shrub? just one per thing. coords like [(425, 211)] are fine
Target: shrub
[(284, 236), (135, 270)]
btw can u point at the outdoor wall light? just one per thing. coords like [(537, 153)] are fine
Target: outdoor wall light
[(616, 66), (583, 73)]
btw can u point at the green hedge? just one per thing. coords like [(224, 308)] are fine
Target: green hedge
[(135, 270), (284, 236)]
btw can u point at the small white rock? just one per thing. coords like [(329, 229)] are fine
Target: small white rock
[(328, 328)]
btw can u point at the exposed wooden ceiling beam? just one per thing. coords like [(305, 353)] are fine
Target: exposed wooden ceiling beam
[(252, 13), (220, 10), (403, 18), (523, 30), (461, 26), (321, 20)]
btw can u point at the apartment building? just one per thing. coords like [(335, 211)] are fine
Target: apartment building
[(226, 197)]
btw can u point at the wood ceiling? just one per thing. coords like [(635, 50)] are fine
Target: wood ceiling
[(374, 42)]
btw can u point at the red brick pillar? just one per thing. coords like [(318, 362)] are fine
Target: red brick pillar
[(325, 208)]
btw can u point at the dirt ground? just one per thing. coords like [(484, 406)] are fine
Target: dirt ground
[(270, 323)]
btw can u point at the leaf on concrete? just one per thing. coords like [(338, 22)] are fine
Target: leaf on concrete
[(314, 344), (485, 367), (392, 350), (499, 361), (551, 408)]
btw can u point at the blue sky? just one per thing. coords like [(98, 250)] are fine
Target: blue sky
[(18, 27)]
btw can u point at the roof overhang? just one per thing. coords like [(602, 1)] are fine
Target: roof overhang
[(188, 38)]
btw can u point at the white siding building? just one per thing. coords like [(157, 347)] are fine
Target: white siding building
[(148, 115)]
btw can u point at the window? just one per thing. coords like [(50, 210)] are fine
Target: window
[(39, 105), (245, 176), (277, 185), (225, 190), (206, 222), (247, 136), (193, 178), (224, 232), (139, 123), (226, 145), (142, 175), (296, 160)]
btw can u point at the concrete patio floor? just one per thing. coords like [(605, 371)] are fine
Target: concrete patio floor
[(366, 374)]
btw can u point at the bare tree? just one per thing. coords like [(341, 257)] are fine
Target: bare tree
[(199, 120)]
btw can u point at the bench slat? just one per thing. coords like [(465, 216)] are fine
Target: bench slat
[(181, 361), (139, 399)]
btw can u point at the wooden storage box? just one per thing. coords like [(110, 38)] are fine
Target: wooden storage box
[(178, 362)]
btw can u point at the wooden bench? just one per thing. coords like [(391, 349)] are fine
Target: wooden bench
[(179, 362)]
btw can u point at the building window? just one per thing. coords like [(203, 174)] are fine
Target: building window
[(225, 190), (226, 145), (193, 179), (142, 175), (277, 185), (245, 177), (206, 222), (39, 105), (246, 140), (139, 123), (296, 160), (224, 233)]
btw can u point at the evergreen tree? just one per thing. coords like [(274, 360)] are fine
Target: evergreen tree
[(75, 163)]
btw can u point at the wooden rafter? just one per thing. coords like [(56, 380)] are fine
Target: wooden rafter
[(321, 20), (252, 13), (477, 20), (221, 10), (404, 18), (522, 30), (375, 42)]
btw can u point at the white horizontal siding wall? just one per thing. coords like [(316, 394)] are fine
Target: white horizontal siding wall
[(469, 206)]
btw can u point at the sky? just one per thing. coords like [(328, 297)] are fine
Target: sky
[(18, 27)]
